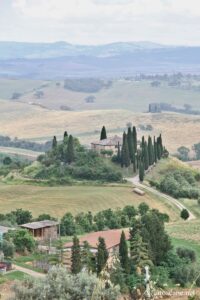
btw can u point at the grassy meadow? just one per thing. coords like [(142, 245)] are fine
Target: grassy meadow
[(58, 200), (122, 94)]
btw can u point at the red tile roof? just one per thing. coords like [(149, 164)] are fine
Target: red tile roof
[(111, 237)]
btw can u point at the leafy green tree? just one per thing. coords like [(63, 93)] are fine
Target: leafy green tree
[(125, 156), (22, 216), (103, 135), (70, 150), (7, 160), (44, 217), (183, 153), (7, 248), (141, 171), (22, 240), (123, 253), (67, 225), (130, 211), (184, 214), (76, 265), (143, 208), (102, 255)]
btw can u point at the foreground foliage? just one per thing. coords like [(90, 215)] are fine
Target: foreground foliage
[(60, 285)]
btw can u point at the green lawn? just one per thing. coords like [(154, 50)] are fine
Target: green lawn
[(195, 246), (15, 275)]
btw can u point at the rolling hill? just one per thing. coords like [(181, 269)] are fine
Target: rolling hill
[(61, 60), (35, 123)]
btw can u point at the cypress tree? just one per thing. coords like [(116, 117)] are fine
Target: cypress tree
[(102, 255), (88, 260), (54, 143), (130, 144), (118, 153), (146, 156), (125, 157), (134, 163), (70, 150), (123, 253), (155, 151), (141, 171), (139, 252), (103, 135), (135, 139), (138, 248), (76, 256), (65, 137), (150, 151)]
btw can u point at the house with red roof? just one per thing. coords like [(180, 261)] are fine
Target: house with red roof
[(111, 237)]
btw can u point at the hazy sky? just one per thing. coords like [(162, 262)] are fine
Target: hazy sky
[(101, 21)]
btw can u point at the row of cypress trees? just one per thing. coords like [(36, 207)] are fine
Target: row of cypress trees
[(83, 258), (149, 152)]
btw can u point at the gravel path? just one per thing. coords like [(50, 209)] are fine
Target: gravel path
[(135, 180)]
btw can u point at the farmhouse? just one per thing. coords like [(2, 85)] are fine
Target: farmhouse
[(43, 230), (111, 237), (108, 144)]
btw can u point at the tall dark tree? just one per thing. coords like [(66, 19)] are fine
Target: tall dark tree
[(103, 135), (76, 265), (155, 151), (141, 171), (146, 156), (54, 143), (138, 248), (125, 156), (153, 233), (88, 259), (123, 253), (135, 138), (70, 150), (130, 144), (150, 151), (102, 255), (118, 153), (65, 137)]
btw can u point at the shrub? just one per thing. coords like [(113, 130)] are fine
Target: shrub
[(184, 214), (186, 253)]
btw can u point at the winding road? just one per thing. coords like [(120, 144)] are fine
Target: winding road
[(135, 180)]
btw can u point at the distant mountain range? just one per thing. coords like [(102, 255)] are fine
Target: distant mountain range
[(61, 59), (14, 50)]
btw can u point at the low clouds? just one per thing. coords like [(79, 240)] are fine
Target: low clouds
[(103, 21)]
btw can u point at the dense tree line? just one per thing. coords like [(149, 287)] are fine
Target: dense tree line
[(68, 160), (6, 141), (142, 157), (149, 245)]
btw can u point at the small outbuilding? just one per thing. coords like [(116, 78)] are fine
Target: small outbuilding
[(138, 192), (43, 230)]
